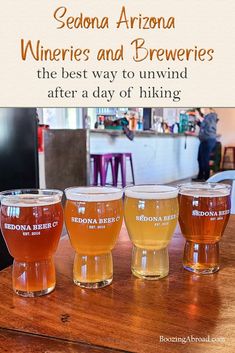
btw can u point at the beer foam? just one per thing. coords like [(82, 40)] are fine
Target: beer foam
[(205, 189), (30, 200), (151, 192), (93, 193)]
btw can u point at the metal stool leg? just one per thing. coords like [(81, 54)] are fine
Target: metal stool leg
[(132, 170), (102, 171), (106, 169), (113, 172), (111, 162), (116, 167), (123, 170), (96, 171)]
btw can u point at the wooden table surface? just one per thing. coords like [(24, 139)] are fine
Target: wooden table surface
[(130, 315)]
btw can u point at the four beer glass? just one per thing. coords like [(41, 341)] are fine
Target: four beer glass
[(31, 223), (204, 214), (32, 220), (151, 213), (93, 217)]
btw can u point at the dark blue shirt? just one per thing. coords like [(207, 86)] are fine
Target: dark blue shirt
[(208, 127)]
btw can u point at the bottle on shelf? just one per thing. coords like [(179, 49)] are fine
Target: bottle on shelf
[(183, 124), (101, 122), (175, 129), (140, 125)]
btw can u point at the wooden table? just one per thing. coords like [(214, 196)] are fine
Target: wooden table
[(130, 315)]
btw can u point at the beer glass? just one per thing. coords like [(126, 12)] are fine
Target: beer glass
[(31, 224), (203, 216), (151, 213), (93, 217)]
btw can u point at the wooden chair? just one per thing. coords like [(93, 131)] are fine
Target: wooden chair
[(228, 151)]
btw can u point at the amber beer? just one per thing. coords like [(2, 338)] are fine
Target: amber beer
[(31, 224), (93, 217), (151, 213), (203, 216)]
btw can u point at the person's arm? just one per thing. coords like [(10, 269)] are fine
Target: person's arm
[(199, 121)]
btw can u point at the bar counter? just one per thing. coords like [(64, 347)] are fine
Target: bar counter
[(131, 315), (113, 132), (157, 158)]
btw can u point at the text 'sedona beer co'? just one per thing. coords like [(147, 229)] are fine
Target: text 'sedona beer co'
[(93, 217), (151, 214), (31, 223), (204, 214)]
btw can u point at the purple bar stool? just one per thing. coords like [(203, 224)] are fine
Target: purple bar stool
[(101, 164), (121, 159)]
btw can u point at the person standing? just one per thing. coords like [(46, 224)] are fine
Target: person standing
[(208, 125)]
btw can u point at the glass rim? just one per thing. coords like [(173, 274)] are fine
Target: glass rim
[(18, 197), (151, 191), (209, 187), (93, 193)]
